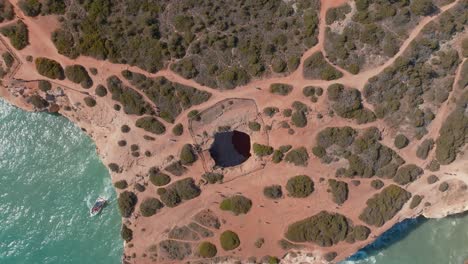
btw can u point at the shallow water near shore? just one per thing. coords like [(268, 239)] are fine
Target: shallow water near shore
[(50, 175), (419, 241)]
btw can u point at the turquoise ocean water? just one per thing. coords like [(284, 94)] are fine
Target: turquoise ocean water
[(50, 175)]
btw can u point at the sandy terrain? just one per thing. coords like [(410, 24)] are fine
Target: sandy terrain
[(267, 219)]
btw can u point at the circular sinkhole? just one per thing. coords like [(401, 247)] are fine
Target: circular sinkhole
[(230, 148)]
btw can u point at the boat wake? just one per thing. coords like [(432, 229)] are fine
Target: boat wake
[(106, 192)]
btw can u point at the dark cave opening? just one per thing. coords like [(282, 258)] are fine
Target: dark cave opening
[(230, 148)]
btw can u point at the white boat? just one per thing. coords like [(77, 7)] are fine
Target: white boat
[(98, 205)]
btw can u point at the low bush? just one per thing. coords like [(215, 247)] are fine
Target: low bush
[(45, 85), (416, 201), (319, 151), (49, 68), (158, 178), (212, 177), (423, 150), (122, 184), (114, 167), (273, 192), (280, 88), (89, 101), (187, 155), (37, 101), (443, 187), (126, 233), (151, 124), (270, 111), (93, 71), (133, 103), (325, 229), (18, 34), (78, 74), (127, 201), (287, 112), (339, 191), (431, 179), (422, 7), (316, 67), (299, 119), (262, 150), (401, 141), (30, 8), (237, 204), (300, 186), (8, 59), (170, 198), (176, 168), (341, 136), (277, 156), (207, 250), (125, 129), (298, 157), (384, 205), (150, 207), (194, 115), (434, 165), (254, 126), (285, 148), (186, 189), (178, 130), (330, 256), (407, 173), (229, 240), (377, 184)]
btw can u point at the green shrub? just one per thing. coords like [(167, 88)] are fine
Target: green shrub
[(298, 157), (377, 184), (78, 74), (127, 201), (150, 207), (270, 111), (93, 71), (316, 67), (213, 178), (254, 126), (125, 129), (151, 124), (300, 186), (361, 233), (169, 197), (114, 167), (431, 179), (8, 58), (30, 8), (158, 178), (18, 34), (341, 136), (126, 233), (339, 191), (422, 7), (280, 88), (262, 150), (187, 155), (287, 112), (178, 130), (299, 119), (229, 240), (285, 148), (49, 68), (325, 229), (443, 187), (194, 115), (101, 91), (45, 85), (122, 184), (423, 150), (132, 101), (319, 151), (207, 250), (277, 156), (416, 201), (384, 205), (401, 141), (278, 65), (237, 204), (273, 192), (89, 101), (176, 168), (330, 256), (186, 189), (38, 101), (407, 173)]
